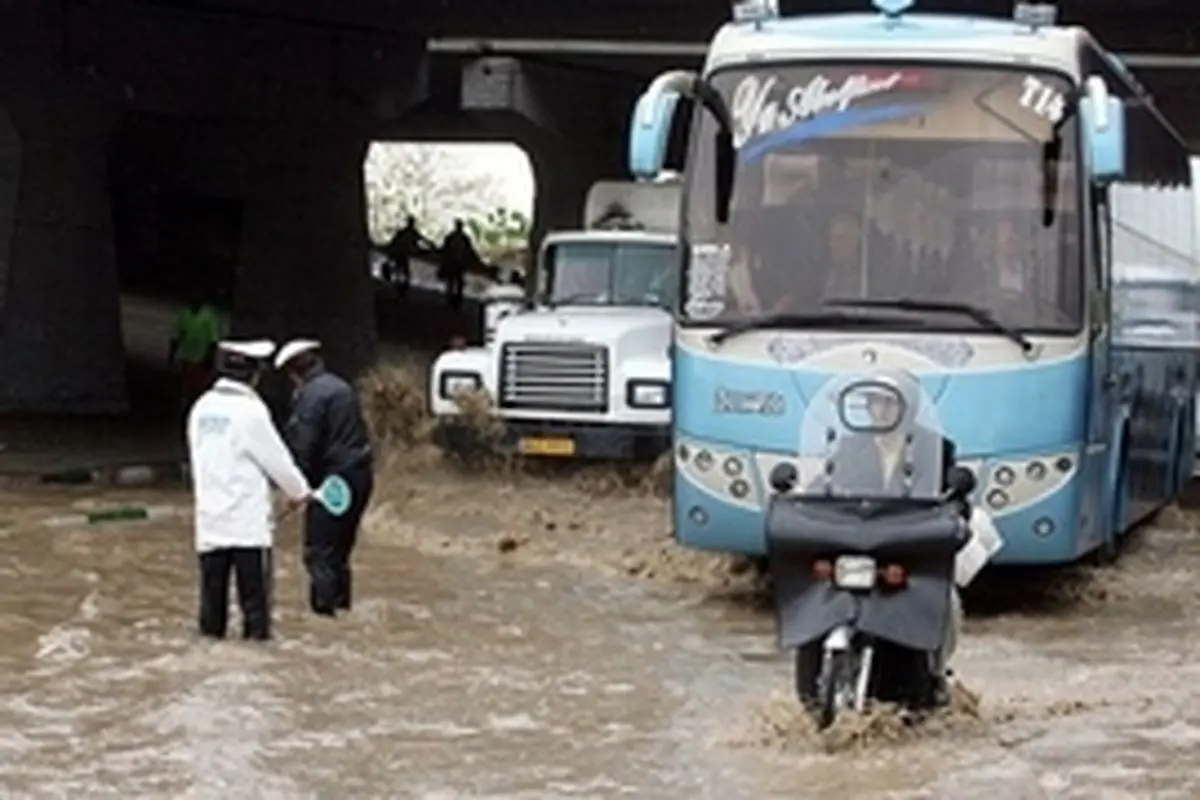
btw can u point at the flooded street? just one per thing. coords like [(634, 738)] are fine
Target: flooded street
[(541, 639), (533, 636)]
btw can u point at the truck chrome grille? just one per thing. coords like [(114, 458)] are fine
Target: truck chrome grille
[(554, 376)]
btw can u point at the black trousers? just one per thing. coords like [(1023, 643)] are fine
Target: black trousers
[(253, 568), (455, 286), (329, 541)]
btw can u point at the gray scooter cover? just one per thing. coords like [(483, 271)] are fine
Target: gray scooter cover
[(870, 474)]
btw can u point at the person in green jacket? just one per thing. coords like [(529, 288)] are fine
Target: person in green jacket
[(195, 332)]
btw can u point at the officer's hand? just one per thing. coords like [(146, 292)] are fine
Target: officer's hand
[(295, 504)]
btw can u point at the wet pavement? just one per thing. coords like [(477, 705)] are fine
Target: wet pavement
[(538, 637)]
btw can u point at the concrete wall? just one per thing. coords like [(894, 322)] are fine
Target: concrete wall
[(60, 346)]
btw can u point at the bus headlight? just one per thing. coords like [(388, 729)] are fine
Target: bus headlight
[(648, 394), (452, 384), (726, 475), (1015, 483)]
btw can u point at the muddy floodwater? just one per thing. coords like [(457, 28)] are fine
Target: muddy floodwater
[(541, 638)]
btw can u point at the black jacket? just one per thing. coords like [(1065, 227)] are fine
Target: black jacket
[(326, 431)]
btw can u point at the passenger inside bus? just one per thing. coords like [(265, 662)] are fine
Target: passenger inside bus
[(900, 231)]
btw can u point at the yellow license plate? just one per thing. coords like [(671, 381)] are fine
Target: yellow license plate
[(548, 447)]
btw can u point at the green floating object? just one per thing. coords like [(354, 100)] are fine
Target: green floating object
[(126, 514)]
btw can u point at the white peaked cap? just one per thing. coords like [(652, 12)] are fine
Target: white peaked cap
[(294, 348), (256, 348)]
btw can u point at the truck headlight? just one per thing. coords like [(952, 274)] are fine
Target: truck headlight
[(648, 394), (452, 384)]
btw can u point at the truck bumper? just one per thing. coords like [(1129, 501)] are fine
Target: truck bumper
[(552, 439)]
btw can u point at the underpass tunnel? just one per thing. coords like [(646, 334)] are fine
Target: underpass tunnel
[(267, 226), (231, 158), (177, 218)]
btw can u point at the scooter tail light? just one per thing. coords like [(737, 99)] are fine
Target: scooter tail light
[(894, 576), (822, 570)]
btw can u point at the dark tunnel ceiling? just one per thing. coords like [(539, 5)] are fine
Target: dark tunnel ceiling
[(1155, 26)]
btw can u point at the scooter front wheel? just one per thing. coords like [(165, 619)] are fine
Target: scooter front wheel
[(833, 680)]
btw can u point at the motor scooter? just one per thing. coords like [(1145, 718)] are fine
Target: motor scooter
[(864, 533)]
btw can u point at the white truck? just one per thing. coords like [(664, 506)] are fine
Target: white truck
[(583, 369)]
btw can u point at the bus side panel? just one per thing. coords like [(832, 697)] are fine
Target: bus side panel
[(1158, 391)]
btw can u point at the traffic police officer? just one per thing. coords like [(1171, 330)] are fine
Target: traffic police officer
[(235, 453), (328, 436)]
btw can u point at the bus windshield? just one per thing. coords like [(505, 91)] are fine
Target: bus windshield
[(612, 273), (860, 181)]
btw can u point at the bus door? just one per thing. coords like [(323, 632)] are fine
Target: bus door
[(1105, 380)]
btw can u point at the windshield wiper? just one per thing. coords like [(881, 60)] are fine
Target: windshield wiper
[(983, 317), (832, 319)]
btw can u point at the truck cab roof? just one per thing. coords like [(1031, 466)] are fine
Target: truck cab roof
[(614, 236)]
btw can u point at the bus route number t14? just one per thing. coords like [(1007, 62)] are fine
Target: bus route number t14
[(1042, 99)]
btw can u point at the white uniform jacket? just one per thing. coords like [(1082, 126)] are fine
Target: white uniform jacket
[(234, 449)]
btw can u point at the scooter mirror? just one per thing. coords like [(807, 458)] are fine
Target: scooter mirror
[(961, 481), (783, 477)]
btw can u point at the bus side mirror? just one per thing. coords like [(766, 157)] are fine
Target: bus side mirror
[(650, 128), (1103, 119), (650, 131), (961, 481)]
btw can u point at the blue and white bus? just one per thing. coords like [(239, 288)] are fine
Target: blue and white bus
[(939, 194)]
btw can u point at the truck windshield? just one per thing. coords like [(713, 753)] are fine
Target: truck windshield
[(612, 273), (874, 181)]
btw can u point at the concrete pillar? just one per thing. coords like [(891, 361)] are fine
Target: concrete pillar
[(60, 329), (303, 268), (564, 172)]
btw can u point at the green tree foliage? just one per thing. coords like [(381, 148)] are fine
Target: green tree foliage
[(431, 183), (500, 234), (427, 181)]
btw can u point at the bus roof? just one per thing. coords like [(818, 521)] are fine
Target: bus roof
[(924, 36), (935, 36)]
